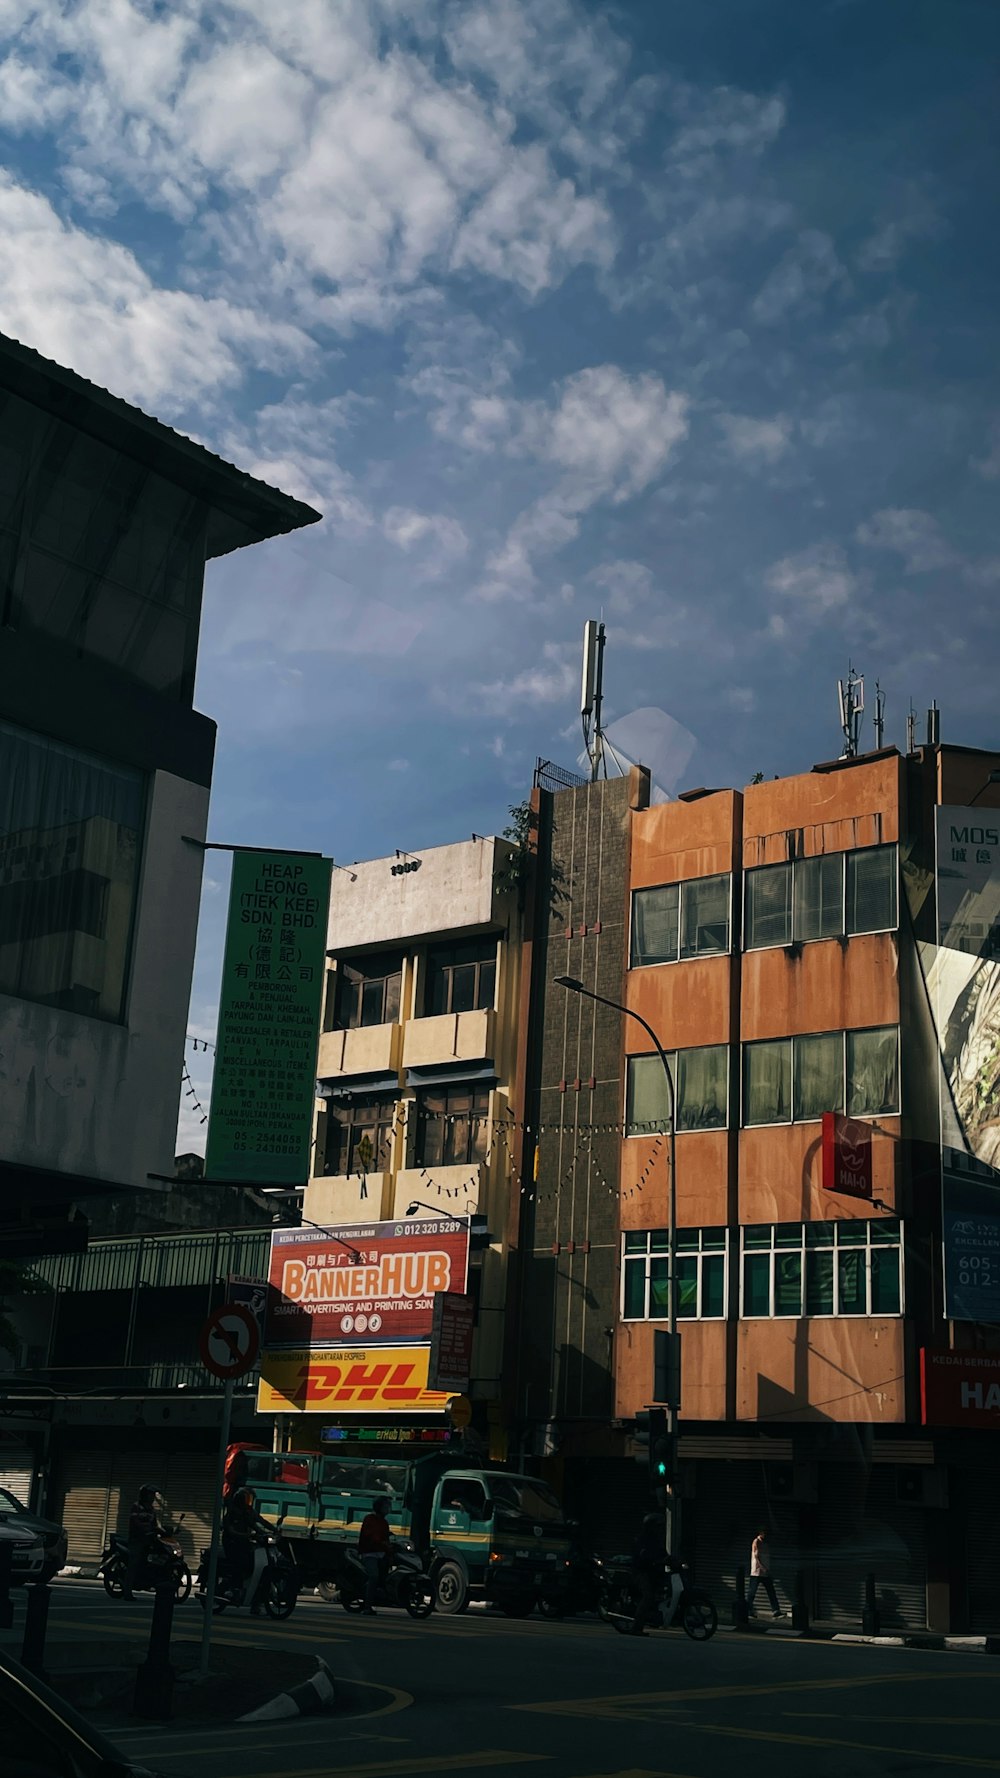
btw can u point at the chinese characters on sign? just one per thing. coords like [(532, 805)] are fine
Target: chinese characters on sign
[(451, 1341), (260, 1128), (377, 1281)]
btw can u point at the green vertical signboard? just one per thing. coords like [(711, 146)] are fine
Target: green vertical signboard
[(264, 1089)]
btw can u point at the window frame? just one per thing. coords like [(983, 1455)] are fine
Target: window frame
[(422, 1118), (846, 929), (630, 1259), (356, 1121), (792, 1039), (673, 1057), (446, 971), (836, 1245), (681, 886), (356, 983)]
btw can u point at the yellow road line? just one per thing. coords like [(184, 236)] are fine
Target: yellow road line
[(944, 1722), (744, 1734), (448, 1762), (620, 1704)]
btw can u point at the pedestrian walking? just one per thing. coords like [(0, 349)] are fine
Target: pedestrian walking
[(374, 1547), (760, 1574)]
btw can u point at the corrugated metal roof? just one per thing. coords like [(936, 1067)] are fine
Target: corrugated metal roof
[(250, 506)]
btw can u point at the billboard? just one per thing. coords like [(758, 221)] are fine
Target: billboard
[(375, 1282), (347, 1380), (451, 1341), (964, 986), (264, 1087), (959, 1388)]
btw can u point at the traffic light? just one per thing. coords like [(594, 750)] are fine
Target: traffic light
[(652, 1437), (660, 1455)]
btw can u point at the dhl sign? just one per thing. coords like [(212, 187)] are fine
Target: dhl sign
[(390, 1379)]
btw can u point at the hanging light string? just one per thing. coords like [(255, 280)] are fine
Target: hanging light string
[(189, 1093)]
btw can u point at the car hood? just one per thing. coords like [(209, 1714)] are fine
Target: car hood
[(19, 1534)]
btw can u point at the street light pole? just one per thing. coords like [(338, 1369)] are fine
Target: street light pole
[(576, 987)]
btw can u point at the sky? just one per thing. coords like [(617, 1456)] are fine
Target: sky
[(686, 316)]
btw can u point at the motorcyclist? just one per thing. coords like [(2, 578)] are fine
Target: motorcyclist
[(647, 1566), (241, 1526), (375, 1549), (143, 1529)]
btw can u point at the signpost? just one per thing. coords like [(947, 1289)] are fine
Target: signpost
[(452, 1332), (264, 1089), (228, 1344)]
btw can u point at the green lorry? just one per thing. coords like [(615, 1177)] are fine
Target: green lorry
[(482, 1533)]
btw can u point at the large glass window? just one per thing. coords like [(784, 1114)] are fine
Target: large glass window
[(822, 1268), (839, 894), (70, 842), (452, 1126), (680, 920), (461, 977), (367, 991), (701, 1082), (359, 1133), (795, 1079), (702, 1284)]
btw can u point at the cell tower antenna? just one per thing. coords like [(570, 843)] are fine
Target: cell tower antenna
[(911, 729), (852, 703), (592, 696), (879, 717)]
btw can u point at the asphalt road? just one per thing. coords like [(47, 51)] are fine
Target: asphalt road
[(574, 1700)]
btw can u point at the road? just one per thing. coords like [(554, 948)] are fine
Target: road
[(484, 1694)]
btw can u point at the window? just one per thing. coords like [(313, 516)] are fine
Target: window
[(359, 1133), (523, 1495), (701, 1082), (680, 920), (835, 895), (822, 1268), (70, 840), (452, 1126), (461, 977), (367, 991), (795, 1079), (701, 1260)]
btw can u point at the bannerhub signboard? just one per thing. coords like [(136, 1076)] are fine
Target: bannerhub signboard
[(264, 1087), (964, 987)]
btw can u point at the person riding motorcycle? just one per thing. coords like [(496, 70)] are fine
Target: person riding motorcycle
[(647, 1565), (241, 1523), (143, 1530)]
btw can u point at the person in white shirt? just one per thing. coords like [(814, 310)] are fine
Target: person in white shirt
[(760, 1574)]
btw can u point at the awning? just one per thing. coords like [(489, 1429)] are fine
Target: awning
[(344, 1086), (444, 1074)]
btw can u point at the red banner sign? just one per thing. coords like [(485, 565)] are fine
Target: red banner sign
[(375, 1284), (959, 1388), (847, 1155), (451, 1342)]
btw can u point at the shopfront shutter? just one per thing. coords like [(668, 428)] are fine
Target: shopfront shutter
[(719, 1524), (188, 1485), (865, 1530), (85, 1491), (982, 1550), (609, 1496), (17, 1467)]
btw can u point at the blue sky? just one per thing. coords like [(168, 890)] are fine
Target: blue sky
[(684, 313)]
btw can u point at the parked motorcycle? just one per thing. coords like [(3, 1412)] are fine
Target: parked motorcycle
[(163, 1560), (676, 1601), (272, 1584), (405, 1584), (573, 1588)]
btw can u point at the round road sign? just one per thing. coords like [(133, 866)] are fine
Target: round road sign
[(229, 1341), (460, 1410)]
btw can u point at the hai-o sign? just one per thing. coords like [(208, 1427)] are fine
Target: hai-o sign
[(847, 1155)]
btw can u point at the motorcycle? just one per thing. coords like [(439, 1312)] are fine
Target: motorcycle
[(574, 1588), (163, 1561), (676, 1601), (405, 1584), (272, 1582)]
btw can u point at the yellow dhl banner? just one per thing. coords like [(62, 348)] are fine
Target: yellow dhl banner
[(351, 1380)]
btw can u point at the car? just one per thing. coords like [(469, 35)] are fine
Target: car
[(53, 1536), (27, 1559), (44, 1737)]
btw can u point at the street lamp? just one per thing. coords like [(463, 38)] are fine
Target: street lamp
[(575, 986)]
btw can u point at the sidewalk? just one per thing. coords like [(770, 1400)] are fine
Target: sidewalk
[(99, 1679), (892, 1638)]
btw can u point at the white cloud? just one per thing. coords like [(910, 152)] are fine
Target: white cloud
[(625, 584), (398, 765), (87, 303), (753, 441), (28, 100), (408, 528), (612, 431), (913, 535), (725, 118), (815, 581), (989, 466), (549, 680), (800, 281), (741, 698)]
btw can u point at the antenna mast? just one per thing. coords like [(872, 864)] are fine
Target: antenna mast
[(592, 696), (911, 729), (852, 703), (879, 717)]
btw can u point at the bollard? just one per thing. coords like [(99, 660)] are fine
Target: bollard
[(36, 1618), (741, 1616), (800, 1603), (154, 1680), (871, 1623), (6, 1602)]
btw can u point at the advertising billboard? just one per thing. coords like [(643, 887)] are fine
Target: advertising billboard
[(959, 1388), (264, 1087), (374, 1283), (963, 979), (347, 1380), (451, 1341)]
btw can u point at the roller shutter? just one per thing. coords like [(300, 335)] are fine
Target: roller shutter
[(99, 1488), (982, 1551), (17, 1468), (866, 1531), (86, 1484), (187, 1482), (719, 1524)]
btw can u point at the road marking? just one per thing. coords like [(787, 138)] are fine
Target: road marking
[(448, 1762), (942, 1759), (627, 1704), (944, 1722)]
